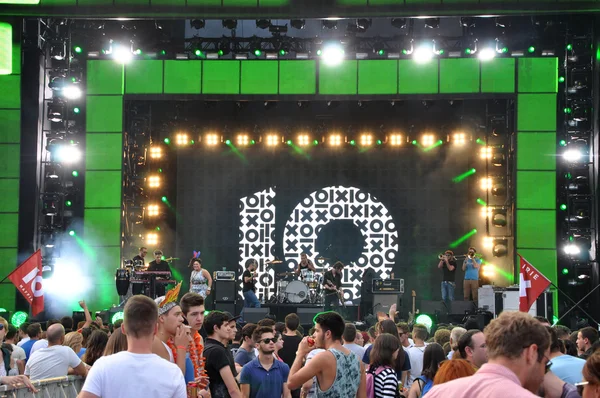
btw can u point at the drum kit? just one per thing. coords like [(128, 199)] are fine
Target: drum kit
[(307, 290)]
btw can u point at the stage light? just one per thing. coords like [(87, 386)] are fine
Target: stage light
[(71, 233), (427, 140), (76, 110), (78, 49), (486, 211), (197, 23), (263, 23), (335, 140), (65, 153), (272, 140), (18, 318), (297, 23), (152, 239), (500, 248), (486, 54), (425, 320), (230, 23), (155, 152), (68, 203), (75, 173), (486, 152), (55, 112), (565, 271), (167, 141), (395, 139), (121, 53), (242, 140), (71, 91), (486, 183), (572, 155), (459, 139), (563, 206), (228, 142), (152, 210), (498, 160), (332, 55), (153, 181), (366, 140), (488, 242), (488, 270), (182, 139), (499, 218), (571, 249), (303, 140), (423, 54), (212, 139), (531, 49)]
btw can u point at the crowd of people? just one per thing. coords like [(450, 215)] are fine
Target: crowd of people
[(171, 348)]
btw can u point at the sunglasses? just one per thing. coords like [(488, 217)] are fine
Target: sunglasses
[(580, 386), (548, 365), (268, 341)]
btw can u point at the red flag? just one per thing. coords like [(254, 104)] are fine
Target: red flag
[(532, 284), (27, 277)]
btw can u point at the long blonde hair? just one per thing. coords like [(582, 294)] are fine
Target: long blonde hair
[(74, 340)]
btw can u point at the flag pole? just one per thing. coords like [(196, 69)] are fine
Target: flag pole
[(576, 303)]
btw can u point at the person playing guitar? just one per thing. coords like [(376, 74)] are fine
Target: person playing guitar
[(332, 283)]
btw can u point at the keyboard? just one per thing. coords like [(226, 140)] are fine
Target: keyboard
[(157, 273), (163, 281)]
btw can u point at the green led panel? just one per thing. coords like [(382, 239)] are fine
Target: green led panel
[(132, 3), (144, 77), (378, 77), (102, 227), (9, 200), (10, 229), (536, 112), (536, 151), (414, 78), (104, 114), (536, 189), (273, 3), (94, 3), (498, 76), (104, 77), (104, 151), (6, 48), (240, 3), (221, 77), (10, 161), (459, 75), (10, 120), (530, 70), (103, 189), (297, 77), (536, 229), (8, 264), (385, 2), (339, 79), (205, 3), (260, 77), (183, 77), (11, 92)]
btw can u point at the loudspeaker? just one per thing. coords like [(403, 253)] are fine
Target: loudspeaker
[(306, 315), (462, 307), (225, 307), (253, 315), (432, 307), (225, 291), (383, 302)]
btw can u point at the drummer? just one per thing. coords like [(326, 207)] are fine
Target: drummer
[(305, 264)]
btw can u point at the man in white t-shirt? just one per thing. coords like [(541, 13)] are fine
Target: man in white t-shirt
[(416, 352), (56, 359), (18, 355), (111, 376)]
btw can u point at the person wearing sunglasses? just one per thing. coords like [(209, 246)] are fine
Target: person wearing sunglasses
[(265, 377)]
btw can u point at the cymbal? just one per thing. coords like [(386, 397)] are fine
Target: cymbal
[(274, 262)]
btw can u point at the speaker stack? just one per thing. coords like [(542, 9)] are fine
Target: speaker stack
[(225, 291)]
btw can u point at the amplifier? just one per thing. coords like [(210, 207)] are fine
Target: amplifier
[(224, 275), (388, 286)]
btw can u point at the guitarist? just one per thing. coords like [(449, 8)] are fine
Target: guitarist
[(332, 283)]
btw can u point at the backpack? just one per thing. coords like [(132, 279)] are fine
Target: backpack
[(425, 385), (371, 379)]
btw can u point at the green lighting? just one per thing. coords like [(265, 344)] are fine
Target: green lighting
[(563, 206), (282, 52), (198, 53), (565, 271), (289, 142), (436, 144), (319, 52), (441, 52), (163, 52), (504, 49), (206, 312), (71, 142), (379, 142), (531, 49), (75, 173), (162, 257), (76, 110), (71, 233), (352, 142), (257, 52), (220, 53), (467, 51), (228, 142), (381, 52), (164, 199), (414, 142), (567, 110), (68, 203), (570, 238), (425, 320), (192, 142), (160, 170), (167, 141), (554, 320), (78, 49), (252, 142), (18, 318), (118, 316), (561, 79), (404, 51), (562, 143), (315, 142), (463, 238), (464, 175), (138, 51), (3, 310), (569, 47), (157, 229), (481, 202)]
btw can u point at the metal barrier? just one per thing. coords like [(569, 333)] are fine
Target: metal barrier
[(59, 387)]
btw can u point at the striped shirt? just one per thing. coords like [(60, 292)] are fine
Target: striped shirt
[(385, 383)]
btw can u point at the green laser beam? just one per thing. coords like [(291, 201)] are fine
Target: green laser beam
[(481, 202), (463, 238), (236, 152), (464, 175), (87, 250), (298, 150), (480, 141), (430, 147)]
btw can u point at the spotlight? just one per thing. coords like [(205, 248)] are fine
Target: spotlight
[(486, 183), (152, 239), (303, 140), (572, 155), (399, 23), (329, 24), (486, 212), (498, 160), (395, 139), (55, 112), (182, 139), (153, 181), (152, 210), (423, 54), (488, 242), (425, 320), (486, 54), (427, 140), (499, 218), (432, 23), (488, 271), (272, 140), (467, 22), (332, 55), (366, 140), (65, 153), (155, 152), (197, 23), (459, 139), (298, 23), (498, 188), (485, 152), (572, 249), (230, 23), (335, 140), (71, 91), (263, 23), (242, 140), (212, 139), (121, 53)]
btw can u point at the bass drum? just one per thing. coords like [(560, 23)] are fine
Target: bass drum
[(296, 292)]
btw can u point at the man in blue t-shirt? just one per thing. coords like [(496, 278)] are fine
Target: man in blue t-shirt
[(566, 367), (265, 376), (34, 331), (471, 266)]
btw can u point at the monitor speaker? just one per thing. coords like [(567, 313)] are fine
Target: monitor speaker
[(383, 302), (225, 307), (432, 307), (306, 315), (462, 307), (253, 315), (225, 291)]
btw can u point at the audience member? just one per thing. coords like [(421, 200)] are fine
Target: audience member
[(278, 345), (432, 357), (192, 306), (267, 322), (518, 347), (117, 342), (404, 334), (471, 323), (372, 335), (562, 332), (74, 341), (43, 342), (171, 333), (472, 347), (245, 353), (291, 339), (67, 323), (237, 341), (586, 337), (95, 348), (350, 337), (18, 354), (454, 369), (111, 376), (590, 388), (542, 320), (416, 353), (220, 367), (447, 349), (441, 336), (265, 377), (309, 389), (279, 327), (339, 372), (34, 331), (23, 335), (566, 367), (54, 360), (570, 348), (383, 359), (366, 339), (403, 363)]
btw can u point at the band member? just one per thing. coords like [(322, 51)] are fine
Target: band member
[(471, 266), (332, 283), (200, 279), (249, 288), (140, 259), (305, 263), (448, 265), (158, 265)]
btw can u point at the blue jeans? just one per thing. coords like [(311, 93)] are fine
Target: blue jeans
[(250, 300), (448, 292)]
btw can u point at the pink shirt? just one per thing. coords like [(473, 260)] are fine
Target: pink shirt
[(490, 381)]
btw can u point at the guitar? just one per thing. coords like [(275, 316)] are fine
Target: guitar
[(338, 292), (411, 315)]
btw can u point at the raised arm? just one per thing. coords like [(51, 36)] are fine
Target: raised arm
[(86, 312)]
